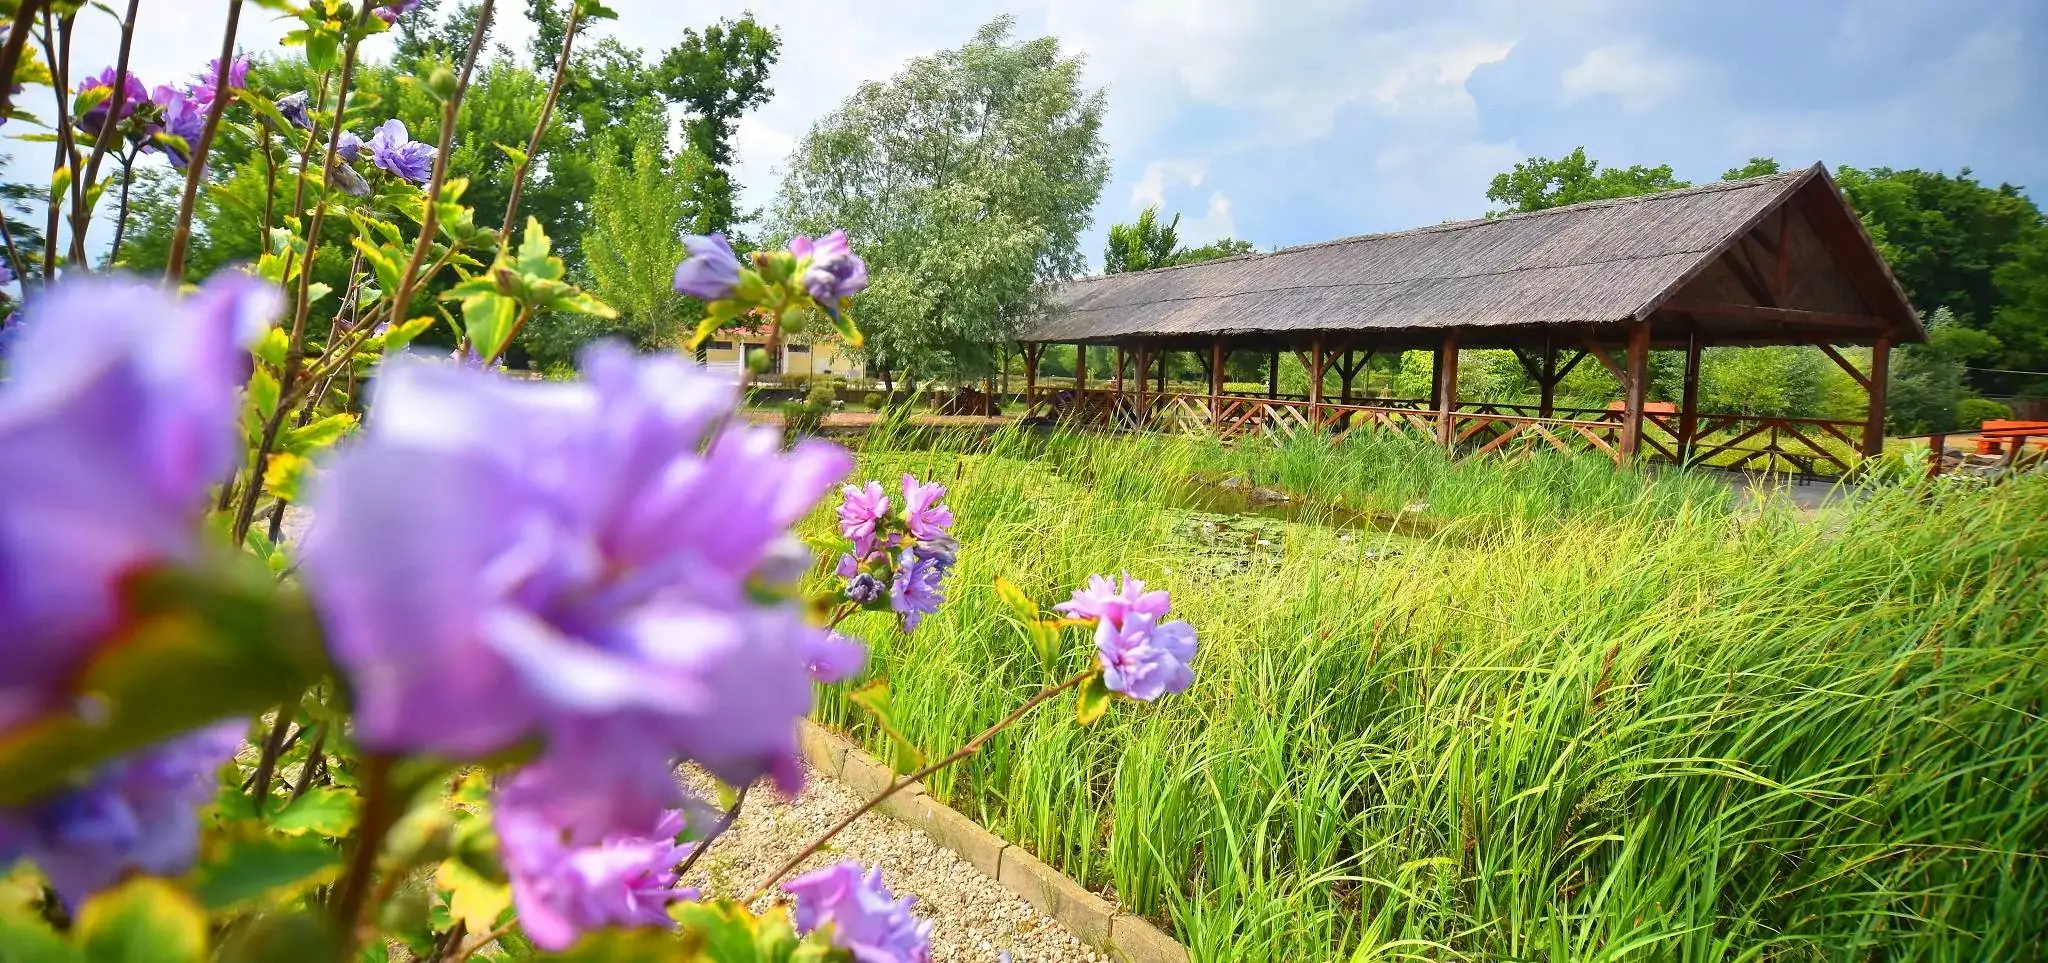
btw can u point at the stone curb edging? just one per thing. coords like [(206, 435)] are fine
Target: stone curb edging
[(1094, 920)]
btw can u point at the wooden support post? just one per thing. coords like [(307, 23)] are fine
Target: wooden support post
[(1546, 382), (1119, 356), (1160, 356), (1446, 392), (1315, 382), (1144, 361), (1436, 377), (1273, 376), (1689, 402), (1031, 353), (1637, 383), (1216, 383), (1880, 379), (1081, 375)]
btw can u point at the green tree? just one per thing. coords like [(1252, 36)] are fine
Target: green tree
[(1946, 237), (717, 75), (1540, 183), (2020, 322), (1927, 380), (635, 238), (965, 181), (1754, 167), (1144, 243), (1220, 248)]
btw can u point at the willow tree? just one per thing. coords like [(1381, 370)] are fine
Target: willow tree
[(965, 181)]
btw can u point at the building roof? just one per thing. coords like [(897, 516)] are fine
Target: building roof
[(1593, 264)]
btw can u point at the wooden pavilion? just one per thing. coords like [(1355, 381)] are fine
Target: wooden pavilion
[(1777, 260)]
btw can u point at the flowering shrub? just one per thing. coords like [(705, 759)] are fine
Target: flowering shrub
[(520, 607)]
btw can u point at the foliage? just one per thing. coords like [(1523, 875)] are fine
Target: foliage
[(635, 239), (2020, 322), (1754, 167), (966, 180), (717, 75), (1145, 243), (1540, 183), (1974, 412), (1552, 712), (1927, 380)]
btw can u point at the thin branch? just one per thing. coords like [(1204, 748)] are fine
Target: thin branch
[(724, 823), (970, 748), (81, 209), (377, 817), (431, 221), (121, 218), (195, 170), (10, 55), (547, 110), (57, 53)]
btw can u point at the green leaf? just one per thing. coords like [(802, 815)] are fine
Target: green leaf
[(474, 900), (272, 347), (874, 697), (327, 811), (398, 337), (26, 938), (264, 392), (534, 246), (281, 936), (489, 317), (247, 869), (143, 921), (516, 155), (1093, 700), (316, 435), (284, 473)]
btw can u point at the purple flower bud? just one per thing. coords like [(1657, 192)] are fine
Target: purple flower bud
[(294, 107), (863, 588), (138, 813), (119, 414), (563, 889), (496, 559), (390, 11), (866, 917), (392, 150), (710, 270), (349, 146)]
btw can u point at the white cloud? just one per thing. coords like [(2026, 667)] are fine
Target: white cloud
[(1215, 222), (1434, 80), (1641, 78), (1151, 188)]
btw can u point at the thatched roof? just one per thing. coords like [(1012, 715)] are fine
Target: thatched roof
[(1593, 264)]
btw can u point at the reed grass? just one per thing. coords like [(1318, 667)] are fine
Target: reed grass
[(1593, 715)]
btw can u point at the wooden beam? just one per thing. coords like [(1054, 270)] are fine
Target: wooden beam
[(1689, 402), (1216, 382), (1638, 382), (1749, 312), (1784, 250), (1273, 376), (1315, 381), (1745, 275), (1880, 378), (1607, 360), (1144, 371), (1081, 374), (1830, 351), (1119, 373), (1447, 387)]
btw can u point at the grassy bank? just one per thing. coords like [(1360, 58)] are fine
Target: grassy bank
[(1556, 712)]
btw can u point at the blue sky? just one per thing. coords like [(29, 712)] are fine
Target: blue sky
[(1298, 121)]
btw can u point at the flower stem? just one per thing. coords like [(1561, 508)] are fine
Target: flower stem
[(430, 221), (724, 823), (10, 55), (971, 747), (81, 209), (377, 817), (195, 167), (547, 110)]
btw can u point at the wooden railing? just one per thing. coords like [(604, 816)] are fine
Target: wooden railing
[(1808, 446)]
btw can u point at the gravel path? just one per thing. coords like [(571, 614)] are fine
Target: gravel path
[(976, 919)]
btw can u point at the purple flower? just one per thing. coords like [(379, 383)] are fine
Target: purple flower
[(579, 561), (393, 151), (349, 146), (710, 270), (860, 510), (1145, 658), (183, 118), (202, 90), (118, 105), (837, 658), (120, 412), (1103, 599), (563, 889), (138, 813), (833, 273), (915, 592), (922, 514), (389, 12), (293, 107), (866, 918), (863, 588), (1142, 657)]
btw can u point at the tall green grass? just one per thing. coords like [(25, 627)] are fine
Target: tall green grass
[(1596, 716)]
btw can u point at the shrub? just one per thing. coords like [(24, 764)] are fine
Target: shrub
[(1972, 413), (874, 401)]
